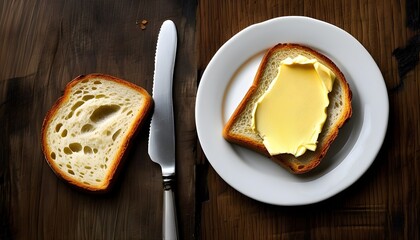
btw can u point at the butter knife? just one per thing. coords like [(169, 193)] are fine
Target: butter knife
[(162, 130)]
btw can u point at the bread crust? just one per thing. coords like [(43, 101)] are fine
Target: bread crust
[(113, 169), (288, 161)]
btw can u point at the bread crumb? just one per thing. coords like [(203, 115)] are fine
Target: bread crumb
[(142, 24)]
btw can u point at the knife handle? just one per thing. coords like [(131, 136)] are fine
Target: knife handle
[(170, 224)]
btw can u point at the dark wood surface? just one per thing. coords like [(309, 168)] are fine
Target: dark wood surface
[(44, 44)]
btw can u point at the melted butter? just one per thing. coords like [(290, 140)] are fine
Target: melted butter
[(290, 115)]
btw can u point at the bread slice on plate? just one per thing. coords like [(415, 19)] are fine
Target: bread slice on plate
[(239, 129), (88, 129)]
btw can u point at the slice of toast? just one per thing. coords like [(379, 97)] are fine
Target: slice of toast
[(88, 129), (239, 130)]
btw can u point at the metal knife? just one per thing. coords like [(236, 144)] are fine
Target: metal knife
[(162, 129)]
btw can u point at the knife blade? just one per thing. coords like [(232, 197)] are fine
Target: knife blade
[(162, 130)]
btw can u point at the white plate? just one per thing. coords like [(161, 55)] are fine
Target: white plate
[(229, 75)]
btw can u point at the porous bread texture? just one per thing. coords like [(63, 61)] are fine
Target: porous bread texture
[(86, 133), (239, 127)]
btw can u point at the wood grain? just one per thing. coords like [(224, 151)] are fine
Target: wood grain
[(384, 203), (45, 44)]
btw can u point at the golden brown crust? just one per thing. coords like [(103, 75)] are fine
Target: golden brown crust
[(118, 159), (289, 161)]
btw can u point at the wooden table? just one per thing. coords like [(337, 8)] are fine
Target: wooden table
[(44, 44)]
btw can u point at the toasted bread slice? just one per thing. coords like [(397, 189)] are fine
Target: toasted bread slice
[(238, 129), (88, 129)]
